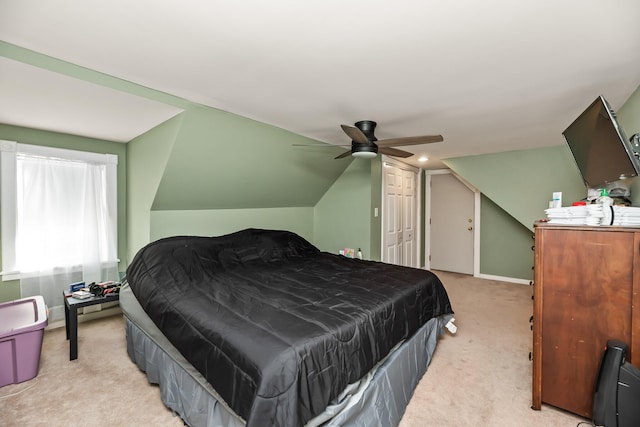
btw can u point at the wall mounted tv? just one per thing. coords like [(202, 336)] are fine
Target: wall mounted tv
[(599, 146)]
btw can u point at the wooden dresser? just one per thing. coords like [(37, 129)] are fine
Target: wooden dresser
[(586, 291)]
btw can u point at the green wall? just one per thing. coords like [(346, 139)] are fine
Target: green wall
[(216, 222), (147, 157), (522, 182), (10, 290), (629, 114), (223, 161), (376, 203), (343, 216), (505, 244), (629, 118)]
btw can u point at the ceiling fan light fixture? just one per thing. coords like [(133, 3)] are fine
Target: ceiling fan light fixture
[(364, 154), (364, 151)]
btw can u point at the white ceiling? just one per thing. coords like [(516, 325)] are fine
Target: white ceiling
[(42, 99), (489, 76)]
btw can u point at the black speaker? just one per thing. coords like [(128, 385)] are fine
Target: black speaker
[(616, 402)]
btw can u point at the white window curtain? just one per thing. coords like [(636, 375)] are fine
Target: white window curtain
[(59, 220)]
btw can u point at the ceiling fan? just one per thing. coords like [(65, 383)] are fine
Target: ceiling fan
[(364, 143)]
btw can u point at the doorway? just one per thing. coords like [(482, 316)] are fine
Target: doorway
[(452, 233)]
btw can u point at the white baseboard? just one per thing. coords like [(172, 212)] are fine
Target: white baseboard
[(504, 279)]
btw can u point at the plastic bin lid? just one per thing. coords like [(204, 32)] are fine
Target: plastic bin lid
[(22, 315)]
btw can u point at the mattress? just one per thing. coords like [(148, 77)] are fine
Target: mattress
[(278, 328)]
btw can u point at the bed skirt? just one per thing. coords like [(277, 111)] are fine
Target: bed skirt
[(380, 398)]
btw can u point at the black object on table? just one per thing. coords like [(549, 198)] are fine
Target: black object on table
[(71, 306)]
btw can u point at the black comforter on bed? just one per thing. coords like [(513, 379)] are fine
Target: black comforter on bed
[(276, 326)]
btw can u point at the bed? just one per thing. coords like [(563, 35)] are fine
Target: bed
[(260, 328)]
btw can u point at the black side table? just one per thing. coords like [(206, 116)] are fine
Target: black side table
[(71, 306)]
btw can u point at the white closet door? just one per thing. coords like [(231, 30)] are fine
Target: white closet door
[(399, 216)]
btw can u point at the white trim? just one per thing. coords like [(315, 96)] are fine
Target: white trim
[(504, 279), (419, 220), (427, 217), (439, 171), (63, 153), (9, 146), (15, 275), (398, 164), (477, 231), (11, 275)]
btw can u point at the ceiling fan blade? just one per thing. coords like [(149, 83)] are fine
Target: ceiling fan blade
[(355, 134), (321, 145), (343, 155), (394, 152), (409, 140)]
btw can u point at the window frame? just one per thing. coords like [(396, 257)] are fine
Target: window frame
[(8, 194)]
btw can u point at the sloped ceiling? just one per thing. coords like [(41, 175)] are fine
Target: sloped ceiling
[(223, 161), (61, 103), (489, 76)]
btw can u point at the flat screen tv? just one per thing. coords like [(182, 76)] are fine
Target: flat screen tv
[(600, 148)]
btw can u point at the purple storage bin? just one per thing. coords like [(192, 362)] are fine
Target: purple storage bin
[(22, 324)]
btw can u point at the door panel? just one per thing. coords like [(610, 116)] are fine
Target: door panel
[(451, 229), (393, 233), (408, 219), (399, 222)]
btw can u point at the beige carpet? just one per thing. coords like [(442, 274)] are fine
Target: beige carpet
[(479, 377)]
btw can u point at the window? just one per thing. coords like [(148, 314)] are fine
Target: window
[(59, 215)]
